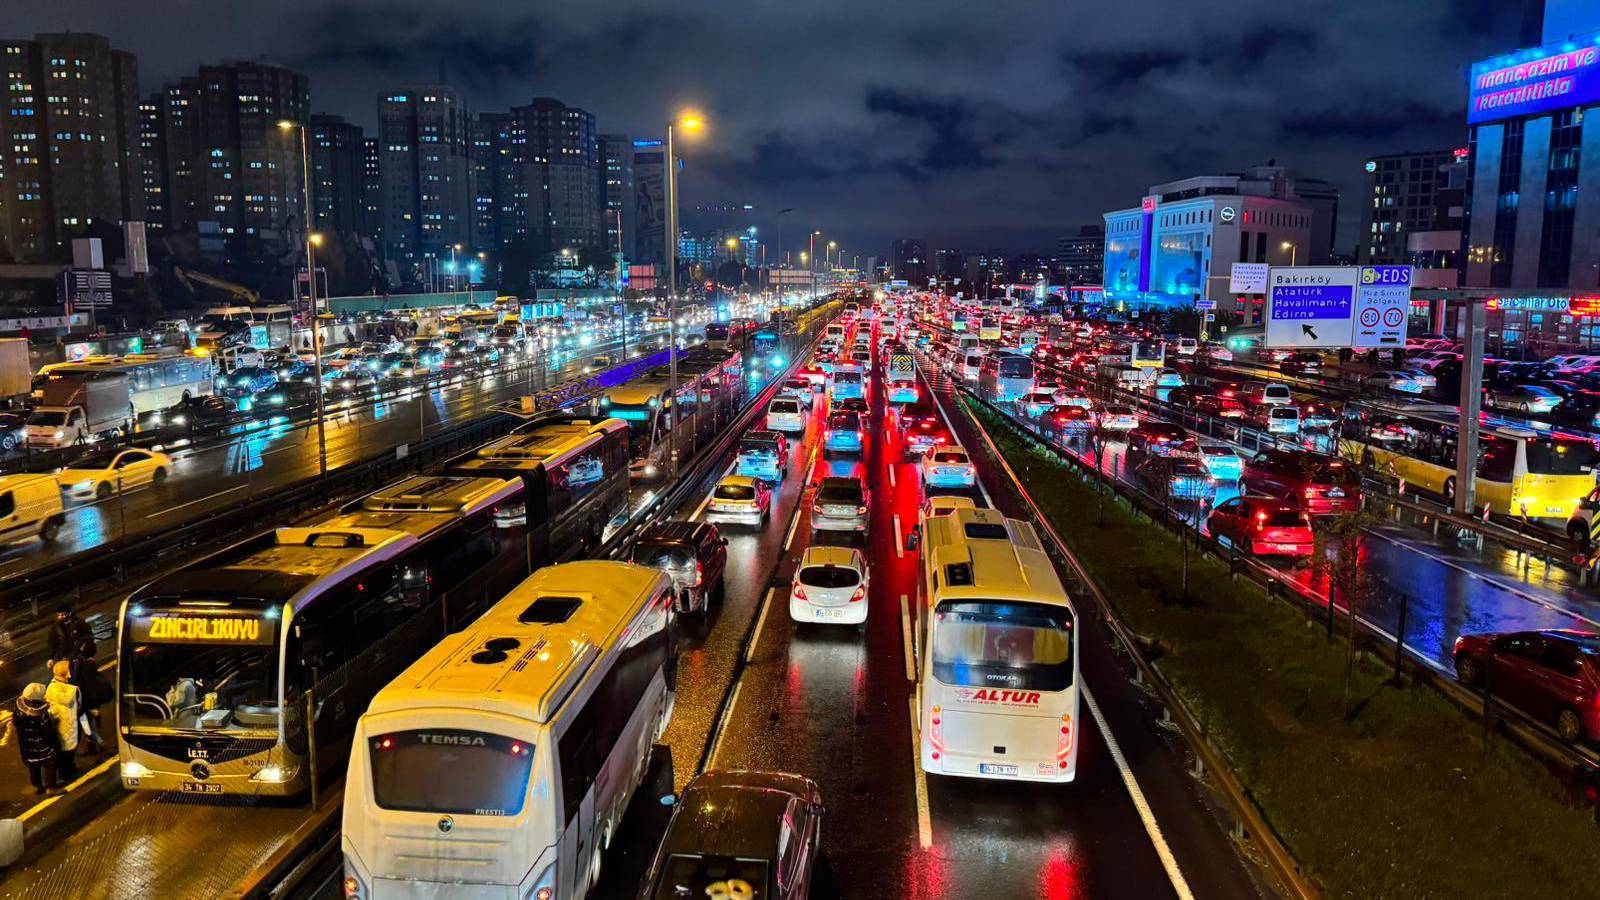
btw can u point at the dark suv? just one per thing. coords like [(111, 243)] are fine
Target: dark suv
[(693, 553), (1322, 485)]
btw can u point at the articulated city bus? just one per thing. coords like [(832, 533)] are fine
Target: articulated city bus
[(500, 764), (998, 690), (1522, 472), (217, 660)]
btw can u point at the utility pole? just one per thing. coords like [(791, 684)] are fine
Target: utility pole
[(1474, 325)]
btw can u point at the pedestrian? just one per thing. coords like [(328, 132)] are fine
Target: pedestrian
[(34, 726), (71, 638), (66, 703), (96, 694)]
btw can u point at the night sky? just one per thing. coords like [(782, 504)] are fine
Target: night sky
[(979, 125)]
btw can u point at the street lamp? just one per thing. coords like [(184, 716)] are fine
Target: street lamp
[(832, 246), (691, 123), (1293, 250), (312, 240)]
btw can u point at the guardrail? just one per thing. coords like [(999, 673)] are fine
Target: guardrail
[(1578, 766)]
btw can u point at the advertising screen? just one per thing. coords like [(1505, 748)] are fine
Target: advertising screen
[(1555, 76)]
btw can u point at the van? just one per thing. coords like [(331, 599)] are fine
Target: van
[(30, 506), (1187, 346), (1276, 393), (238, 356), (1282, 419), (971, 365)]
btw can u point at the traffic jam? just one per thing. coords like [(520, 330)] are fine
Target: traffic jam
[(1264, 451)]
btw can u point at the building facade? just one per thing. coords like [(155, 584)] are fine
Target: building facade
[(911, 260), (372, 189), (499, 204), (1402, 198), (69, 141), (247, 170), (426, 167), (616, 191), (558, 152), (1080, 257), (338, 175), (1533, 182)]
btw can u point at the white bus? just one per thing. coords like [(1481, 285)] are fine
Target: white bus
[(499, 765), (998, 690)]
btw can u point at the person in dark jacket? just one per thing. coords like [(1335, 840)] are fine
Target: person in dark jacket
[(34, 727), (97, 692), (71, 638)]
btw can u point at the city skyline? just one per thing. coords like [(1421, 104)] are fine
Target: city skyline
[(897, 127)]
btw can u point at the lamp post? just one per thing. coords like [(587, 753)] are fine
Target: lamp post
[(691, 123), (1293, 251), (812, 255), (312, 240)]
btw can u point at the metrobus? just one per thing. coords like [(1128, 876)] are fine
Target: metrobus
[(1006, 376), (229, 667), (155, 380), (501, 762), (998, 689), (1521, 472), (575, 476)]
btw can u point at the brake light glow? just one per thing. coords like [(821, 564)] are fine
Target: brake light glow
[(800, 593), (1064, 742), (699, 572), (936, 733)]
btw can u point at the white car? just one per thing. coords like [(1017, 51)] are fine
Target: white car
[(786, 414), (830, 585), (948, 467), (740, 498), (102, 476)]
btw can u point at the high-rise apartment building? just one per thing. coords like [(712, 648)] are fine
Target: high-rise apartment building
[(558, 152), (1080, 257), (372, 188), (69, 140), (949, 263), (616, 191), (1402, 199), (426, 168), (498, 207), (337, 175), (247, 169)]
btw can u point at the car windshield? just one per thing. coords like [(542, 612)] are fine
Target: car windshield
[(48, 417), (697, 875), (949, 456), (829, 577), (735, 492), (191, 669), (846, 377), (1023, 646), (845, 421), (1283, 518)]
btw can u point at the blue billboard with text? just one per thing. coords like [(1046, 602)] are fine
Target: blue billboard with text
[(1556, 76)]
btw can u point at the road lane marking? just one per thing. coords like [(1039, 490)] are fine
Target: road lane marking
[(891, 476), (761, 621), (173, 509), (1140, 804), (794, 520), (76, 785), (722, 727), (899, 542), (905, 639), (955, 397), (924, 818), (700, 510)]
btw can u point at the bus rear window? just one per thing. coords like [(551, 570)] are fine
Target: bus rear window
[(448, 770), (1022, 646), (1560, 457), (1016, 368), (846, 377)]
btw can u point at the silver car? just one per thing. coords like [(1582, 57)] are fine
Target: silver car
[(840, 504)]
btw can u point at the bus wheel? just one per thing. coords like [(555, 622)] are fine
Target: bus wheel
[(1577, 532)]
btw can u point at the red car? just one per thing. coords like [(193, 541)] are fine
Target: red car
[(1259, 526), (1319, 484), (1074, 418), (1219, 407), (1551, 675), (921, 427)]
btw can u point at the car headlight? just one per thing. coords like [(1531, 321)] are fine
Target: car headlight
[(84, 484), (60, 434), (180, 420)]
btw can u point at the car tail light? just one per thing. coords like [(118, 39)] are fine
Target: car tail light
[(859, 595), (861, 510), (699, 572), (936, 733), (1311, 493), (800, 593)]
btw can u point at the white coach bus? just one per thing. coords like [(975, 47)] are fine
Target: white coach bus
[(499, 765), (998, 690)]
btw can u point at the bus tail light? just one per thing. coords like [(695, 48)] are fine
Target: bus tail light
[(936, 733), (1064, 742)]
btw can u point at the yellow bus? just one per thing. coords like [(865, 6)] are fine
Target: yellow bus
[(1522, 472)]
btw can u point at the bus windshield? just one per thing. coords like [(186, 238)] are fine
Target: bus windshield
[(1560, 456), (992, 643), (199, 671)]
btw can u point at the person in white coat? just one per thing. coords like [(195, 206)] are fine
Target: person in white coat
[(66, 701)]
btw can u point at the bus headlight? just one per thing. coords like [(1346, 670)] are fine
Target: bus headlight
[(273, 774), (135, 769)]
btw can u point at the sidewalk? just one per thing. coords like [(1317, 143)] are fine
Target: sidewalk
[(16, 792)]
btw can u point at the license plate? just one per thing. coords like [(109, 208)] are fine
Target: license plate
[(1284, 548), (830, 613), (1335, 493), (992, 769), (200, 787)]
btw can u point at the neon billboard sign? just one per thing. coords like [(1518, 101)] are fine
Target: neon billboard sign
[(1555, 76)]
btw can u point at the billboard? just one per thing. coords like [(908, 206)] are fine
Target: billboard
[(1311, 306), (650, 205), (1560, 75)]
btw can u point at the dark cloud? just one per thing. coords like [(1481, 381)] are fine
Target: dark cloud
[(998, 126)]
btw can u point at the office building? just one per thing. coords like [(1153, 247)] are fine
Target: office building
[(499, 204), (649, 202), (1533, 181), (247, 170), (911, 261), (1080, 256), (948, 263), (1179, 244), (69, 141), (1435, 252), (1401, 198), (558, 153), (338, 175), (616, 191), (425, 166)]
